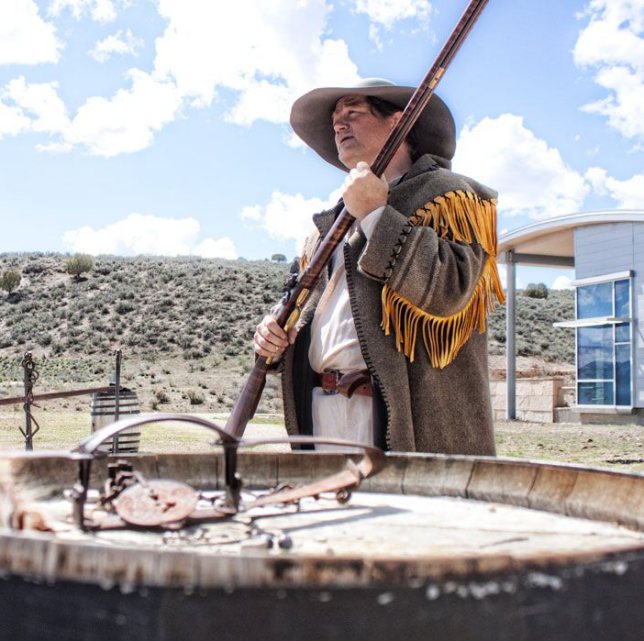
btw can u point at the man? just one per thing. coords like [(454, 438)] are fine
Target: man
[(399, 320)]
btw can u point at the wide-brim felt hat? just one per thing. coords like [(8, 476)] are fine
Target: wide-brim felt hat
[(312, 113)]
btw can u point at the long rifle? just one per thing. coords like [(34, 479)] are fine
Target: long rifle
[(292, 304)]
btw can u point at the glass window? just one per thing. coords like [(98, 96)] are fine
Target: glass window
[(623, 333), (604, 368), (623, 298), (595, 300), (595, 352), (598, 393), (623, 374)]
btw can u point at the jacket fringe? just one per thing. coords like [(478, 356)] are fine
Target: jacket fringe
[(462, 217)]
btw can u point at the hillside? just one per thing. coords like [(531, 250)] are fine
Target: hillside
[(184, 325)]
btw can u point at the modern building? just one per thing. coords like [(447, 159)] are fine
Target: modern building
[(606, 250)]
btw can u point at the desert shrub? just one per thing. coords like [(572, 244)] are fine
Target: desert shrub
[(162, 397), (195, 398), (192, 354), (35, 268), (536, 290), (44, 339), (124, 307), (10, 280), (57, 348), (103, 269), (79, 264)]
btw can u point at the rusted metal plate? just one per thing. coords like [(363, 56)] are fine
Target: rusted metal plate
[(156, 503)]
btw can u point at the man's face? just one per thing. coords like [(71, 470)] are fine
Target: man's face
[(359, 132)]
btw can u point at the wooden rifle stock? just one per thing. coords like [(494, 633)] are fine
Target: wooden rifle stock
[(292, 304)]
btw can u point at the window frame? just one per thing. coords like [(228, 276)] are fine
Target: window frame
[(605, 320)]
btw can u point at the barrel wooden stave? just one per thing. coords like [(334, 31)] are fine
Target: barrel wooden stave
[(586, 593)]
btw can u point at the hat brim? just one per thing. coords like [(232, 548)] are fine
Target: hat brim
[(311, 119)]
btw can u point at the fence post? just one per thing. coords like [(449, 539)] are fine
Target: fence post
[(30, 378), (117, 393)]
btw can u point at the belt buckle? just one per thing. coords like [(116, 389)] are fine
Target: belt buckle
[(325, 377)]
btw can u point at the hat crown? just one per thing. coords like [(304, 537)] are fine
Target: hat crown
[(375, 82)]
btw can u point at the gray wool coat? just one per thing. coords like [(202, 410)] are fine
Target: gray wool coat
[(420, 408)]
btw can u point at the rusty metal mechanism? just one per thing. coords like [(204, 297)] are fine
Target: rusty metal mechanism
[(31, 375), (129, 499)]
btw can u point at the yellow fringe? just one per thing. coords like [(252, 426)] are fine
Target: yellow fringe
[(460, 216)]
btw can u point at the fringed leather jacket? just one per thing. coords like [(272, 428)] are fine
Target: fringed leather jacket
[(420, 291)]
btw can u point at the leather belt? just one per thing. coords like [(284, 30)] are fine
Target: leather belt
[(357, 381)]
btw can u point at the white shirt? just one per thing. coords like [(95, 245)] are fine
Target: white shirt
[(335, 345)]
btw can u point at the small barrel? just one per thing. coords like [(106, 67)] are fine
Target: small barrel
[(104, 413)]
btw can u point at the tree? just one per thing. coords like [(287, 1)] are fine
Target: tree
[(79, 264), (278, 258), (539, 290), (10, 280)]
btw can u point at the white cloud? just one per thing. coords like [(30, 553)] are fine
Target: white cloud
[(33, 107), (126, 123), (123, 124), (374, 36), (25, 38), (40, 101), (100, 10), (628, 194), (284, 52), (12, 120), (386, 13), (118, 43), (596, 177), (530, 176), (150, 235), (251, 213), (288, 216), (220, 248), (562, 282), (612, 46)]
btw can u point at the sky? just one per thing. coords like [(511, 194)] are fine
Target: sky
[(160, 127)]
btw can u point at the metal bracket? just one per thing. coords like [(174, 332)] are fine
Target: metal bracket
[(162, 502)]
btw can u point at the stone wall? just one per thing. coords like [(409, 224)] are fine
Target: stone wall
[(536, 398)]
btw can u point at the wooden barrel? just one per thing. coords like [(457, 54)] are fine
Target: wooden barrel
[(433, 547), (103, 408)]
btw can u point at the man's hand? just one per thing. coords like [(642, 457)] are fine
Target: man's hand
[(271, 340), (363, 191)]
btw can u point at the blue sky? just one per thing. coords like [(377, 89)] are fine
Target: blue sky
[(161, 126)]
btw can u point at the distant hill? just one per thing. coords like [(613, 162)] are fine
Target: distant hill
[(535, 334), (176, 306), (191, 314)]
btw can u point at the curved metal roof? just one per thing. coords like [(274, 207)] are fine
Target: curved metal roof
[(555, 236)]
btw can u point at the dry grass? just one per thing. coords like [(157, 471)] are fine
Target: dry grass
[(609, 446), (65, 430)]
